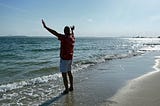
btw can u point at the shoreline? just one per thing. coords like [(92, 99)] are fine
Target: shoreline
[(101, 82), (142, 91)]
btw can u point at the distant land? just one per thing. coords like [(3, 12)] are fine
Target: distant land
[(23, 36), (16, 36), (145, 37)]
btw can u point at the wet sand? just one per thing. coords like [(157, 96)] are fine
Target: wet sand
[(97, 85), (142, 91)]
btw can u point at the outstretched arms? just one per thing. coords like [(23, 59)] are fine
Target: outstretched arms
[(50, 30)]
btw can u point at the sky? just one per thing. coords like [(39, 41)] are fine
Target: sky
[(90, 17)]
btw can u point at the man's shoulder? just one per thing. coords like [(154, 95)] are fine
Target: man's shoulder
[(61, 36)]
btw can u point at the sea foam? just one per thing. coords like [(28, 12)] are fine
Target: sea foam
[(16, 85), (76, 67)]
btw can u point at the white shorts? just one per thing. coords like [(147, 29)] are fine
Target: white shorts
[(65, 65)]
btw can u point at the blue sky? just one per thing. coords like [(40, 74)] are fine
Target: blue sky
[(90, 17)]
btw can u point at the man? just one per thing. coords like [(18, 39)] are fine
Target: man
[(66, 54)]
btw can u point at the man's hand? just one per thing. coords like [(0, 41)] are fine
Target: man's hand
[(50, 30), (72, 27), (44, 25)]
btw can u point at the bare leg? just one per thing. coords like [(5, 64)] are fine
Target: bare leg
[(70, 80), (65, 81)]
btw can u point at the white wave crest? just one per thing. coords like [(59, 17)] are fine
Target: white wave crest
[(16, 85)]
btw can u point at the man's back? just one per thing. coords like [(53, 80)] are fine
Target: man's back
[(67, 46)]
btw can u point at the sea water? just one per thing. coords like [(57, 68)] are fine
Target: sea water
[(29, 66)]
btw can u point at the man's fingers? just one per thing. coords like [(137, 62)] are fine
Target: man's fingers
[(72, 27)]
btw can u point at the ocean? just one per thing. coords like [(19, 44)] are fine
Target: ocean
[(29, 66)]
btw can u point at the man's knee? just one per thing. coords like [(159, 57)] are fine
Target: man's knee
[(69, 73), (64, 75)]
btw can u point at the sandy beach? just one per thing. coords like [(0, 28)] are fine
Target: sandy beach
[(110, 46), (142, 91), (123, 82)]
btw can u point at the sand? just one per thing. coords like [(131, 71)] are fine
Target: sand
[(142, 91)]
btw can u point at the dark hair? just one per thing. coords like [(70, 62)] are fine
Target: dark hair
[(67, 30)]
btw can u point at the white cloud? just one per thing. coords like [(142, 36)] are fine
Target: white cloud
[(13, 8)]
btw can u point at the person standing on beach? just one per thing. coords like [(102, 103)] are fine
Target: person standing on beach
[(66, 54)]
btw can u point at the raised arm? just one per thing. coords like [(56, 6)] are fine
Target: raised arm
[(72, 28), (50, 30)]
